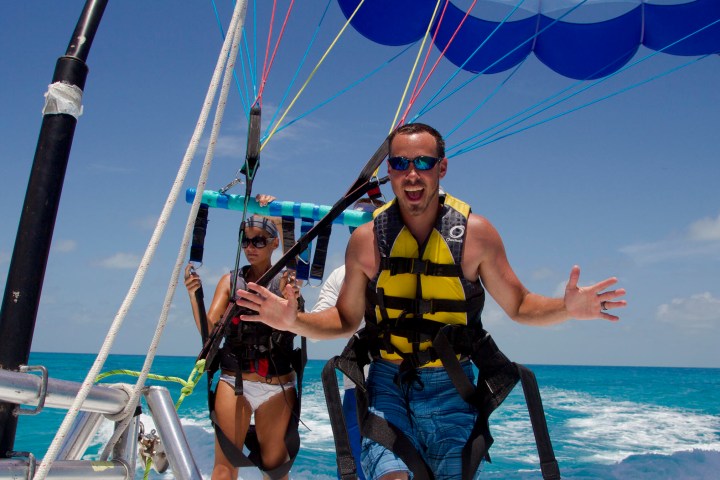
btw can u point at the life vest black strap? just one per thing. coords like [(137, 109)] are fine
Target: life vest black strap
[(417, 306), (398, 265)]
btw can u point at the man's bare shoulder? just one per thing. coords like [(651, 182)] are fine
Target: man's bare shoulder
[(479, 225), (362, 250), (481, 234)]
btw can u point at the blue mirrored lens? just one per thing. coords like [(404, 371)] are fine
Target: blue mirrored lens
[(422, 162)]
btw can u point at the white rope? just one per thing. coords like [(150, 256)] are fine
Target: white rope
[(62, 432), (234, 33)]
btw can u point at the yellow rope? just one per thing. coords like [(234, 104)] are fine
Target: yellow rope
[(312, 74), (412, 72), (187, 388), (187, 385)]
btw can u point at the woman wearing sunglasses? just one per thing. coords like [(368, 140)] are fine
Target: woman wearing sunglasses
[(256, 362)]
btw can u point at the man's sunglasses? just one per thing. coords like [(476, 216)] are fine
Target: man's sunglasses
[(422, 162), (258, 242)]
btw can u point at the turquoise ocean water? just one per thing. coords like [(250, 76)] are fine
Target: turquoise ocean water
[(605, 422)]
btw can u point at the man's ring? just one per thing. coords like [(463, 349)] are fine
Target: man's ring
[(602, 306)]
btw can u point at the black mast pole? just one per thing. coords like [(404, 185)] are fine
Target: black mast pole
[(32, 243)]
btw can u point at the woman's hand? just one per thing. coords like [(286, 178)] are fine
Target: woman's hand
[(288, 278), (192, 280), (263, 199)]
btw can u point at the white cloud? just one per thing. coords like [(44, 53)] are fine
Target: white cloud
[(700, 311), (148, 222), (560, 288), (542, 273), (701, 239), (121, 261), (64, 246), (493, 315), (705, 229)]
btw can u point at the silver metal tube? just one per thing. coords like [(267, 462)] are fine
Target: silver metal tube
[(171, 434), (80, 435), (68, 470), (23, 388), (126, 448)]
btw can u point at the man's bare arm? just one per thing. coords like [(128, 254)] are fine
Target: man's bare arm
[(338, 321)]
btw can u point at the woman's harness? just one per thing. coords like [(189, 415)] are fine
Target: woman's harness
[(428, 339), (256, 347)]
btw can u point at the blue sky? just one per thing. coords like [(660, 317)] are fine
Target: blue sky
[(625, 187)]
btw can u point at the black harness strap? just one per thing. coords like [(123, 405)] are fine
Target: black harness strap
[(292, 436), (351, 362), (197, 248), (349, 365), (317, 270), (548, 463), (497, 377), (361, 185), (288, 228)]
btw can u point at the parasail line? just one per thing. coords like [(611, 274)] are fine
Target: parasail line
[(237, 81), (297, 71), (486, 99), (416, 93), (312, 74), (460, 68), (266, 74), (350, 86), (250, 68), (488, 140), (258, 98), (412, 71), (597, 82)]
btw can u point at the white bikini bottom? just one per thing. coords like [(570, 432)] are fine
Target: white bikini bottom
[(257, 393)]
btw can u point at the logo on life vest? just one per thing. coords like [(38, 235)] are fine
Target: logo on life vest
[(456, 233)]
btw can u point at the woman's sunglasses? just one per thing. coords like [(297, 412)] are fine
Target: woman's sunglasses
[(422, 162), (258, 242)]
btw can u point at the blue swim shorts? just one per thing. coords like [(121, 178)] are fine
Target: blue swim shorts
[(429, 411)]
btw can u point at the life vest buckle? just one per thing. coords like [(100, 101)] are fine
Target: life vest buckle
[(419, 267), (422, 307)]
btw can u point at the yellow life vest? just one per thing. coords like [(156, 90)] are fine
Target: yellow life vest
[(420, 288)]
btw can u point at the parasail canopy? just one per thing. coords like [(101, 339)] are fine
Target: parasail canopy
[(580, 39)]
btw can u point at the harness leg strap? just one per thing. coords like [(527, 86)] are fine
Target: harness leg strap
[(345, 461), (548, 463)]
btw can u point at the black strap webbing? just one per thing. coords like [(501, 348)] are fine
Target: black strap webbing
[(398, 265), (361, 185), (414, 306), (292, 437), (288, 229), (347, 469), (548, 463), (197, 249), (317, 270), (497, 378)]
